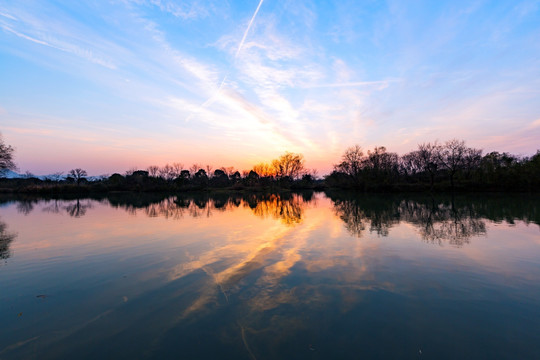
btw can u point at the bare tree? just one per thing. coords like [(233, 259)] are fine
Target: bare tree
[(209, 170), (153, 170), (452, 157), (228, 170), (27, 174), (381, 161), (194, 168), (314, 173), (289, 165), (131, 170), (78, 174), (352, 163), (428, 159), (55, 176), (473, 159), (177, 169), (167, 172), (6, 157), (264, 169), (408, 164)]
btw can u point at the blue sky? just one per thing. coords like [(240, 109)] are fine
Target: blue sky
[(110, 85)]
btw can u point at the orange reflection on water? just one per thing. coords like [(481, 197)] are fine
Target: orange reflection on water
[(254, 255), (255, 238)]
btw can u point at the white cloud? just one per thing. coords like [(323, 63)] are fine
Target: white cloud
[(8, 16)]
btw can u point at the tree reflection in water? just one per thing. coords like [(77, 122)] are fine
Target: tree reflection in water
[(78, 208), (74, 208), (437, 222), (442, 222), (25, 207), (260, 283), (6, 238), (288, 208)]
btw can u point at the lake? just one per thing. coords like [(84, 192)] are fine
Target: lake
[(260, 276)]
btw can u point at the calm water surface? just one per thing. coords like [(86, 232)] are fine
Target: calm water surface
[(309, 276)]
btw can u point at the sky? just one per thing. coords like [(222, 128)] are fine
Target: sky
[(108, 86)]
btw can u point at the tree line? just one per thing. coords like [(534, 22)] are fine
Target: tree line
[(435, 166), (432, 166)]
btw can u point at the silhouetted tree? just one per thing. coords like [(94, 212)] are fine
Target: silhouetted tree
[(229, 170), (130, 171), (140, 173), (6, 157), (352, 163), (55, 176), (177, 169), (408, 165), (452, 157), (78, 174), (499, 169), (427, 160), (532, 171), (235, 177), (116, 179), (473, 158), (252, 178), (220, 179), (200, 178), (167, 172), (28, 175), (209, 170), (194, 168), (264, 169), (382, 165), (153, 170), (288, 165), (184, 174)]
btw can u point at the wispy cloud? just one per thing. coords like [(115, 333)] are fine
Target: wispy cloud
[(379, 83), (185, 10), (211, 99), (299, 75), (8, 16), (535, 124)]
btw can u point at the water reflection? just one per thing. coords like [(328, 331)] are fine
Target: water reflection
[(25, 206), (438, 220), (288, 208), (266, 276), (6, 238)]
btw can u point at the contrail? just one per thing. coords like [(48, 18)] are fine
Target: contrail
[(247, 30), (211, 98), (239, 48)]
